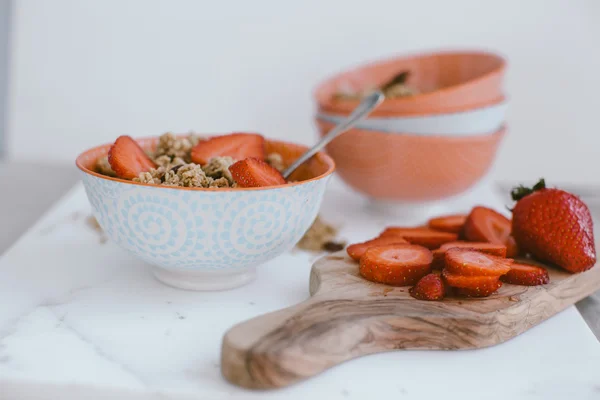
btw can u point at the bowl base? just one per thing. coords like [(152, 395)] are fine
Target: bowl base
[(205, 280), (402, 212)]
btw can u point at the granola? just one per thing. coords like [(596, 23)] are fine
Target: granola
[(103, 167), (174, 166), (93, 223), (276, 161), (188, 175), (154, 176), (167, 162), (320, 237), (220, 183), (218, 167), (395, 88), (184, 175), (174, 147)]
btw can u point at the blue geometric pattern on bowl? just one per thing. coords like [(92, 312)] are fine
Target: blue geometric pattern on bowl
[(204, 230)]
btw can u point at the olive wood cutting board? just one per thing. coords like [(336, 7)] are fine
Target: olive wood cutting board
[(348, 317)]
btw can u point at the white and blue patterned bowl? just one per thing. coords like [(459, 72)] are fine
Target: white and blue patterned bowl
[(206, 239)]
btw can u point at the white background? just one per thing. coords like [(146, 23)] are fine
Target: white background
[(83, 72)]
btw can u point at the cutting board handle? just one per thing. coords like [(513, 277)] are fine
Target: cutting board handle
[(283, 347), (287, 346)]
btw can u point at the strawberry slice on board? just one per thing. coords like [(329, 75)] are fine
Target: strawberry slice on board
[(127, 158), (526, 275), (469, 262), (512, 249), (357, 250), (482, 291), (421, 236), (486, 225), (448, 223), (469, 282), (252, 172), (395, 264), (236, 145), (430, 287), (487, 248)]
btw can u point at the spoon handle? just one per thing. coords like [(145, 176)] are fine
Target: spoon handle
[(365, 107)]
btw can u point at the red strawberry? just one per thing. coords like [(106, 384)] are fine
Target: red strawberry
[(236, 145), (473, 263), (127, 158), (421, 236), (429, 287), (486, 225), (488, 248), (253, 172), (448, 223), (512, 250), (395, 264), (357, 250), (469, 282), (554, 226), (482, 291), (526, 274)]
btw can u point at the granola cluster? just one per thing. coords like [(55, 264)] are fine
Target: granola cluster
[(321, 236), (176, 148), (168, 162), (190, 175), (103, 167), (174, 167), (276, 161), (395, 88), (218, 168)]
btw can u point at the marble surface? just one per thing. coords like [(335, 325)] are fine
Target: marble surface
[(80, 318)]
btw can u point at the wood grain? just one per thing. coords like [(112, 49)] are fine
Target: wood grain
[(348, 317)]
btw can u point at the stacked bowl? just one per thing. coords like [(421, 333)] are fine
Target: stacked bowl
[(433, 144)]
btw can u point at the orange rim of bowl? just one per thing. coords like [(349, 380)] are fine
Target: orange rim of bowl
[(325, 157), (457, 110), (501, 67)]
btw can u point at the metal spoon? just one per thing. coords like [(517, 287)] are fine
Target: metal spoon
[(365, 107)]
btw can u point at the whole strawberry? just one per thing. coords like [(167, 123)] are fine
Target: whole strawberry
[(554, 226)]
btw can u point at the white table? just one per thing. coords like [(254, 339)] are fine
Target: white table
[(84, 320)]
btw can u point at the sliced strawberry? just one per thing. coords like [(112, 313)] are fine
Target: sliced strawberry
[(421, 236), (526, 274), (253, 172), (429, 287), (438, 259), (487, 248), (486, 225), (448, 223), (472, 262), (470, 282), (236, 145), (395, 264), (357, 250), (512, 249), (482, 291), (127, 158)]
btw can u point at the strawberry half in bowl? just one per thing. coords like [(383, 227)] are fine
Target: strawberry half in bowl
[(205, 214)]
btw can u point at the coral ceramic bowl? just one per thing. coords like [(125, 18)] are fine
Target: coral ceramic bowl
[(207, 239), (411, 168), (480, 121), (448, 82)]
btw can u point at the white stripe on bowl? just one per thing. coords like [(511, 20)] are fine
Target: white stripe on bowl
[(481, 121)]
